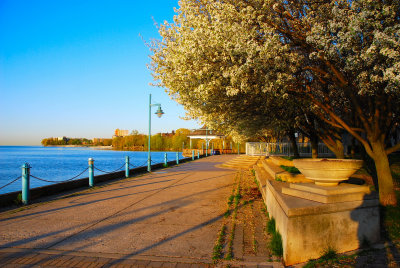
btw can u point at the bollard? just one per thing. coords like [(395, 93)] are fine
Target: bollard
[(165, 160), (212, 148), (198, 154), (91, 172), (192, 155), (126, 166), (25, 183), (177, 158)]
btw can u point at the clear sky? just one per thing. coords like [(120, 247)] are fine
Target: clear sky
[(78, 69)]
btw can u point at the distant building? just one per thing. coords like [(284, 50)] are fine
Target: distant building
[(121, 132), (204, 133), (168, 134)]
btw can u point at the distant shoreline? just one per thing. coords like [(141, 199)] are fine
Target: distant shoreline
[(84, 146)]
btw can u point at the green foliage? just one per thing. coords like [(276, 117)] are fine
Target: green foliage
[(292, 170), (217, 251), (276, 244), (271, 226), (18, 200), (278, 178), (276, 240), (230, 199), (329, 254)]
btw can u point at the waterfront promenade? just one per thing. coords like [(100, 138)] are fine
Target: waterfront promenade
[(168, 218)]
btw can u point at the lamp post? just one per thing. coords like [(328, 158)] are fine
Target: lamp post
[(207, 139), (159, 113)]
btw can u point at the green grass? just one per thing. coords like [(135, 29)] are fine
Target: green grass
[(292, 170), (290, 158), (330, 258), (219, 244), (271, 226), (276, 241), (329, 254), (230, 199), (391, 216), (276, 244)]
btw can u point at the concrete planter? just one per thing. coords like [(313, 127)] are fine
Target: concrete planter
[(327, 172)]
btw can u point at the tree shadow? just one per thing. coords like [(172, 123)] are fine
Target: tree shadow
[(104, 199), (371, 231), (177, 202)]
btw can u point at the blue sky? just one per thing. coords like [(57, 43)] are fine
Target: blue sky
[(78, 69)]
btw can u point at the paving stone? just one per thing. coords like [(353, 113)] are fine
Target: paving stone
[(183, 265), (155, 264)]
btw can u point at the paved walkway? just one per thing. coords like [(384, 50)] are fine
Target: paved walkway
[(169, 218)]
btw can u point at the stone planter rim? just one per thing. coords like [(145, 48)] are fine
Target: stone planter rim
[(322, 170)]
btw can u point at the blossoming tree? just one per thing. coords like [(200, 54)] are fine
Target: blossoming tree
[(240, 63)]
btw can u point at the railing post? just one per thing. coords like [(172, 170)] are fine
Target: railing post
[(25, 183), (198, 154), (165, 160), (192, 155), (91, 172), (126, 166), (177, 158)]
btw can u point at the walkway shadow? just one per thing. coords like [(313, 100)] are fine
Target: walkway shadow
[(104, 199), (177, 202)]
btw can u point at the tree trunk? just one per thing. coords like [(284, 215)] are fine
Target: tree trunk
[(335, 146), (314, 146), (385, 180), (292, 138)]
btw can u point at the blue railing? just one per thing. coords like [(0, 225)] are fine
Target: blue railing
[(26, 174)]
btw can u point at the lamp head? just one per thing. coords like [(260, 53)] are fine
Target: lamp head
[(159, 112)]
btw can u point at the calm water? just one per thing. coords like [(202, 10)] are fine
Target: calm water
[(60, 163)]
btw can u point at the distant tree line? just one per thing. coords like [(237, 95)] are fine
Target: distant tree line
[(159, 141), (134, 142), (76, 141)]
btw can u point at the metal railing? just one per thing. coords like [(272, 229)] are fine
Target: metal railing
[(26, 174), (284, 148)]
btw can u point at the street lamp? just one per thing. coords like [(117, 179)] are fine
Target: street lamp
[(207, 140), (159, 113)]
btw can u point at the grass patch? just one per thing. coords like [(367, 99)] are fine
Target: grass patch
[(230, 199), (329, 254), (276, 244), (255, 245), (271, 226), (391, 217), (292, 170), (276, 241), (330, 258), (219, 244), (290, 158), (229, 255)]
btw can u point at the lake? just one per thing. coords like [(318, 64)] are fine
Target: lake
[(63, 163)]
